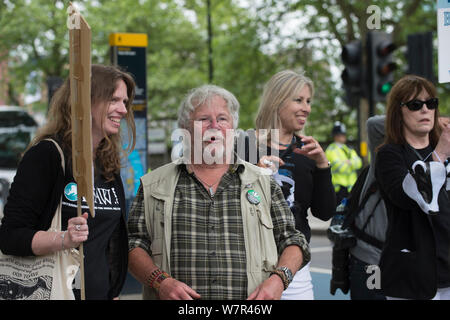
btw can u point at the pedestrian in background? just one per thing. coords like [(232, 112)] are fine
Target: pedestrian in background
[(41, 183), (221, 229), (345, 162), (370, 222), (301, 167), (411, 169)]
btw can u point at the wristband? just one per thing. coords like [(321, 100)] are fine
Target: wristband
[(156, 278), (157, 282), (282, 276), (62, 239)]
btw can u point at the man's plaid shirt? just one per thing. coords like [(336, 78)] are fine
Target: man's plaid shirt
[(207, 246)]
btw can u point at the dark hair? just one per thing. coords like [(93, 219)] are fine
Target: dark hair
[(104, 81), (407, 88)]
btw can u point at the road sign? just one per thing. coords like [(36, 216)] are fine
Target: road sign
[(128, 51), (443, 22)]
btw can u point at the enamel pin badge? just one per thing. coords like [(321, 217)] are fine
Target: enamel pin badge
[(253, 197)]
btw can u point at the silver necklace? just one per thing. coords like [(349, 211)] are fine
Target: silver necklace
[(419, 155), (210, 186)]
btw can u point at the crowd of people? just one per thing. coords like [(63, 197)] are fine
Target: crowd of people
[(216, 226)]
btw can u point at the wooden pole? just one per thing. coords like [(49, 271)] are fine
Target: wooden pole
[(81, 250), (80, 99)]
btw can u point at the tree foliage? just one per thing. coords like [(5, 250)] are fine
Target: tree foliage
[(251, 41)]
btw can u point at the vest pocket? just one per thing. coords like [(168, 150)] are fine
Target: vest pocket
[(157, 227), (158, 219), (269, 256), (265, 219), (156, 248)]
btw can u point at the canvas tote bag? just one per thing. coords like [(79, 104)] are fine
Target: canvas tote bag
[(46, 277)]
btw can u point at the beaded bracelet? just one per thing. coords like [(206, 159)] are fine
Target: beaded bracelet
[(157, 282), (156, 278)]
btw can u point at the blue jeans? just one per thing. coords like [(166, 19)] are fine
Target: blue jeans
[(358, 282)]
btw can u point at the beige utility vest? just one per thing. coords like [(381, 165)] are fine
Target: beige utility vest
[(260, 248)]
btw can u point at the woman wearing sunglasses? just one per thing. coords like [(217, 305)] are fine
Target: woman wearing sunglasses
[(411, 169)]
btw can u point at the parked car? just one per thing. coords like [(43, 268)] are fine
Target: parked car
[(17, 128), (4, 188)]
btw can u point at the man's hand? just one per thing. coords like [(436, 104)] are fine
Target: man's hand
[(271, 289), (172, 289)]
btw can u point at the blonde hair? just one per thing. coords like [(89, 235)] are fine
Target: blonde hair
[(282, 87), (104, 82)]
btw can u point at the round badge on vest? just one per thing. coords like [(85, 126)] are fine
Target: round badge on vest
[(253, 197)]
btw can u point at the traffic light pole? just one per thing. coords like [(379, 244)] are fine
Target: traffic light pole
[(363, 116)]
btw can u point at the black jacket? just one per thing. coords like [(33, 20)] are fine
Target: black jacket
[(410, 263), (32, 201)]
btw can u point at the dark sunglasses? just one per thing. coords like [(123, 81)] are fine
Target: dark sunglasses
[(417, 104)]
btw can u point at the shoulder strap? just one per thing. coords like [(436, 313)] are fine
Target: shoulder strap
[(367, 238), (353, 206), (56, 221), (63, 164)]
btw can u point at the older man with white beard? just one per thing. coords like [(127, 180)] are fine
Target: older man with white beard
[(211, 226)]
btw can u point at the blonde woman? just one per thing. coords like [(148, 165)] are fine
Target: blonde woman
[(303, 169), (40, 183)]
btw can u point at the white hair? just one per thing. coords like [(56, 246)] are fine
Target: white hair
[(201, 95)]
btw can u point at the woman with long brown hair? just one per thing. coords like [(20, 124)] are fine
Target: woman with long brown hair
[(41, 184), (411, 169)]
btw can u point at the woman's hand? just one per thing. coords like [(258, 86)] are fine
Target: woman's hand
[(77, 231), (270, 162), (443, 146), (312, 149)]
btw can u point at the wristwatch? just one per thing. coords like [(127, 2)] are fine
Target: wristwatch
[(285, 274)]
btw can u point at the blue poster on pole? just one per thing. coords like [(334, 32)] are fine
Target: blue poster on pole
[(443, 22)]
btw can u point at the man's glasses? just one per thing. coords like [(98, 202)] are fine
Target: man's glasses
[(416, 104)]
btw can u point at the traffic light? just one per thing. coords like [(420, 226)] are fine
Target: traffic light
[(420, 55), (380, 65), (352, 76)]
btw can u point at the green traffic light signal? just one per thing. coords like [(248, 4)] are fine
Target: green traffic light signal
[(385, 88)]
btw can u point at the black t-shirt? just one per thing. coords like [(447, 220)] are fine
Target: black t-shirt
[(107, 217), (305, 186)]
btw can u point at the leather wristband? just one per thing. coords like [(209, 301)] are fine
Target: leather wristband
[(282, 276)]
